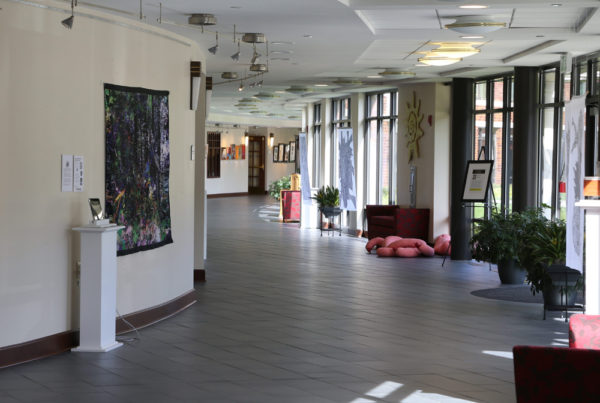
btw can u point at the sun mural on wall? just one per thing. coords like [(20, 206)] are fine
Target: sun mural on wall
[(413, 127)]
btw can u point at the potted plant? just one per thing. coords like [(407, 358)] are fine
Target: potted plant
[(278, 185), (543, 245), (328, 200), (496, 240)]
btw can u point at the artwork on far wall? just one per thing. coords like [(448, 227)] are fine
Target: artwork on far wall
[(136, 125), (275, 154), (281, 151), (286, 155), (293, 151), (413, 127), (223, 153)]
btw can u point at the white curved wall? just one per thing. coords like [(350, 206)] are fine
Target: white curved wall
[(51, 103)]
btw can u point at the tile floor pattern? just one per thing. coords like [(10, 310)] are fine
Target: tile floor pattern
[(289, 316)]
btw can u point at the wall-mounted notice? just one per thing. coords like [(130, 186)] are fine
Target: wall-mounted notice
[(67, 173), (78, 173)]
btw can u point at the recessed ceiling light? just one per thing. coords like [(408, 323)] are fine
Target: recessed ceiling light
[(321, 85), (279, 92), (374, 77), (472, 37), (473, 6), (556, 5), (307, 36)]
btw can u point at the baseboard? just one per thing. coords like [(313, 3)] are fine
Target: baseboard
[(217, 195), (149, 316), (38, 348), (200, 275), (61, 342)]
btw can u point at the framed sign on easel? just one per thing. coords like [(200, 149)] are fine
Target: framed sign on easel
[(477, 181)]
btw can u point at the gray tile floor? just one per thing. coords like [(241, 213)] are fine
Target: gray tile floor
[(289, 316)]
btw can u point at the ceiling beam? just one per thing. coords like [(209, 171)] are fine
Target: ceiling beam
[(530, 51)]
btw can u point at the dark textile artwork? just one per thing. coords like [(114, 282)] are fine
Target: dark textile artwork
[(137, 166)]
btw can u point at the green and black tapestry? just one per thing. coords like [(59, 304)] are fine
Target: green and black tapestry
[(137, 166)]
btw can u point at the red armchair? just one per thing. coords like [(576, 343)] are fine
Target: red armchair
[(558, 374), (386, 220)]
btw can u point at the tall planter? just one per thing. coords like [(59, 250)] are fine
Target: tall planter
[(556, 295), (510, 272)]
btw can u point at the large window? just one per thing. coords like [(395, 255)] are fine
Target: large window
[(380, 147), (316, 151), (552, 153), (493, 137), (213, 160), (340, 117)]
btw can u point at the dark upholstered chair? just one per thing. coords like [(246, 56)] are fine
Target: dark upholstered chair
[(386, 220), (556, 374)]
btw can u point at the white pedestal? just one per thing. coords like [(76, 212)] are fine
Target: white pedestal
[(98, 297), (592, 255)]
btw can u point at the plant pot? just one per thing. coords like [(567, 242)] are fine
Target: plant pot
[(553, 296), (330, 212), (510, 273)]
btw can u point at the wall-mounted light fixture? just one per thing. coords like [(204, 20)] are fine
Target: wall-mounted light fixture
[(195, 79), (271, 139)]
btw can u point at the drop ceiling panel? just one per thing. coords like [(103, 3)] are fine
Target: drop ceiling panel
[(401, 19), (553, 17)]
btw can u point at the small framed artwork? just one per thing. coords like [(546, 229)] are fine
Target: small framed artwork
[(286, 155), (238, 152), (281, 152), (293, 151), (477, 180), (275, 154), (223, 153), (232, 152)]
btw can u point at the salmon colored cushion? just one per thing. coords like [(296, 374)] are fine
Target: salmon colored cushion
[(385, 252), (442, 245), (407, 252), (390, 240), (373, 243)]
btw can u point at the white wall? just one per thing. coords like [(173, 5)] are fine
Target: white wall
[(234, 173), (433, 164), (51, 102)]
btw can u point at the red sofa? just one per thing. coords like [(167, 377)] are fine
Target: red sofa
[(559, 374), (386, 220)]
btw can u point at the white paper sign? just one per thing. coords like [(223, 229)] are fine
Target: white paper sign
[(67, 173), (78, 173)]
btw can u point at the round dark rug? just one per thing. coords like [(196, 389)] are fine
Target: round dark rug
[(515, 293)]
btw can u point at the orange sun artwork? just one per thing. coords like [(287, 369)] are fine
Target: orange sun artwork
[(413, 126)]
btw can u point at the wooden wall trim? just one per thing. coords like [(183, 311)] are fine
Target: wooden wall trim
[(217, 195), (200, 275), (61, 342)]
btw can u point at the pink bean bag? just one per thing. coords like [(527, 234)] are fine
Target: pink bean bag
[(442, 245), (401, 247)]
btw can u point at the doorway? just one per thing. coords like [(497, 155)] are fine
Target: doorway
[(256, 165)]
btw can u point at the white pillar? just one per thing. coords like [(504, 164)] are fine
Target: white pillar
[(592, 255), (98, 299)]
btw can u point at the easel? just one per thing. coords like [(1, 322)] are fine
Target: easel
[(469, 204)]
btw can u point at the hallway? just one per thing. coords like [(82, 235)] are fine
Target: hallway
[(289, 316)]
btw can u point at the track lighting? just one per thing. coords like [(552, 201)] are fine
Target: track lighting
[(241, 88), (214, 49), (236, 56), (68, 22)]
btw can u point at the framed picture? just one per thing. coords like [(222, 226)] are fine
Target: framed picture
[(477, 180), (238, 152), (281, 151), (275, 154), (223, 153), (286, 155), (293, 151)]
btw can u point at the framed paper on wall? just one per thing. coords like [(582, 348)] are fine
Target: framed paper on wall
[(223, 153), (477, 180), (286, 155), (281, 151), (275, 154), (292, 151)]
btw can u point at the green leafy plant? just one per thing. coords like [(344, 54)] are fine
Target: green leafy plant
[(497, 238), (276, 186), (327, 196)]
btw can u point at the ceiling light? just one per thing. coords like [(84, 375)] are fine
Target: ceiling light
[(248, 100), (556, 5), (241, 87), (68, 22), (473, 6), (214, 49), (255, 37), (438, 61), (229, 75), (321, 85), (347, 81), (258, 67), (202, 19), (236, 56), (453, 52), (307, 36), (472, 37), (299, 90), (395, 74), (266, 95), (475, 24), (378, 76)]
